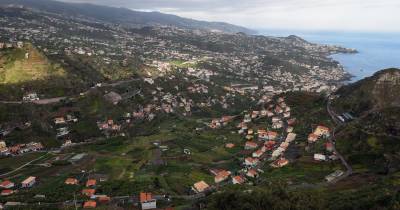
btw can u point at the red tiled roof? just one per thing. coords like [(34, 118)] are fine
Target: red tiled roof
[(6, 192), (90, 182), (90, 204), (5, 183), (88, 192), (144, 197)]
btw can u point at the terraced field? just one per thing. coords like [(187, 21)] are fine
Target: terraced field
[(25, 65)]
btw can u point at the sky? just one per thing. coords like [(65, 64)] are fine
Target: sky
[(318, 15)]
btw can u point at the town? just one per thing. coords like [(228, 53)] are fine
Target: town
[(157, 117)]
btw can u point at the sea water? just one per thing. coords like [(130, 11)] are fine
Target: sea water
[(377, 51)]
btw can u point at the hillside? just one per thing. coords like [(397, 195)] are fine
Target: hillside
[(26, 64), (24, 70), (123, 16), (371, 142), (377, 92)]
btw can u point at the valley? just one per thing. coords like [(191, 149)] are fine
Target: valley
[(99, 114)]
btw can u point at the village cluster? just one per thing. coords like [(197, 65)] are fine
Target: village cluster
[(265, 143), (146, 200), (19, 149)]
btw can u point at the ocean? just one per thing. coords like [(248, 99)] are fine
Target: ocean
[(377, 51)]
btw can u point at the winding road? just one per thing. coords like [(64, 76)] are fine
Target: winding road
[(332, 140)]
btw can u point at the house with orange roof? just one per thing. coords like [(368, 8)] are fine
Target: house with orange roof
[(91, 183), (252, 173), (200, 187), (258, 153), (271, 135), (250, 145), (229, 145), (7, 184), (88, 192), (89, 204), (104, 199), (147, 201), (322, 131), (222, 176), (71, 181), (280, 163), (238, 180), (312, 138), (249, 161), (7, 192)]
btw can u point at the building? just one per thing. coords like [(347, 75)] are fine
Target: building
[(230, 145), (222, 176), (3, 144), (250, 145), (249, 161), (59, 120), (7, 184), (322, 131), (329, 147), (71, 181), (7, 192), (312, 138), (89, 204), (91, 183), (200, 187), (334, 175), (280, 163), (290, 137), (319, 157), (88, 192), (258, 153), (147, 201), (252, 173), (29, 182), (238, 180)]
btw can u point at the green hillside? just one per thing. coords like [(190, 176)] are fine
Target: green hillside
[(376, 92), (27, 64)]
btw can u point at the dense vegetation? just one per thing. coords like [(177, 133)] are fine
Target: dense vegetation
[(279, 197)]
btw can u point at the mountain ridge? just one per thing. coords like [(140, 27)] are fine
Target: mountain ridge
[(123, 16)]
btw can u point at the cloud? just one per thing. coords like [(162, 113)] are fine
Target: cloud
[(346, 15)]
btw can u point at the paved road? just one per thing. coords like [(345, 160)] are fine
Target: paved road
[(58, 99)]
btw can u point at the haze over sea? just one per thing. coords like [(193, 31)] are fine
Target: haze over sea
[(377, 51)]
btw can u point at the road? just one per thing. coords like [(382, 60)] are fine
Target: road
[(59, 99), (332, 140), (23, 166)]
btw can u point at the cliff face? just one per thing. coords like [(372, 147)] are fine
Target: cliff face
[(377, 92)]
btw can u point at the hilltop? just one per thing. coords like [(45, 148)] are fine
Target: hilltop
[(377, 92)]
